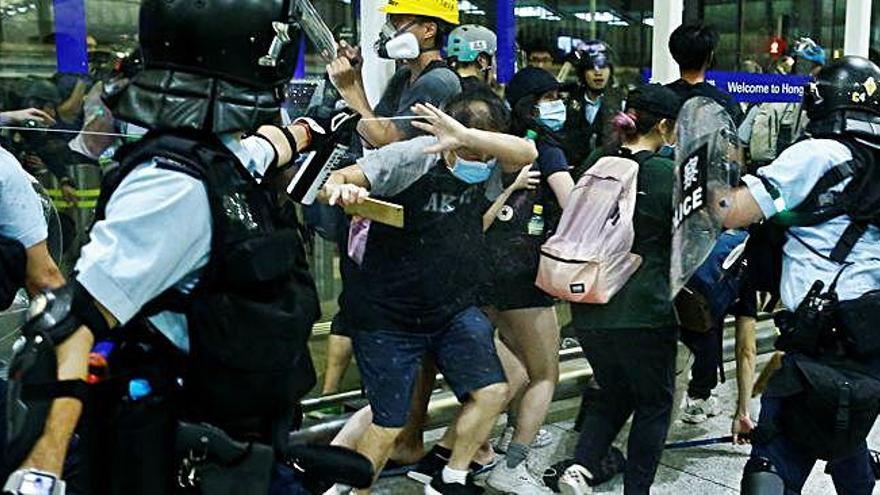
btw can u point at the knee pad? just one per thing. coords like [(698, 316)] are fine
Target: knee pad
[(33, 369), (761, 478)]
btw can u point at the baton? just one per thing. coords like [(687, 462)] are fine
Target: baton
[(703, 442)]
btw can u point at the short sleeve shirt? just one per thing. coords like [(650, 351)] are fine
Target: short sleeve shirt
[(794, 174), (156, 235), (416, 279), (435, 85), (21, 213)]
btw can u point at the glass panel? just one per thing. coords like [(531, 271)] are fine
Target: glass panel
[(547, 32)]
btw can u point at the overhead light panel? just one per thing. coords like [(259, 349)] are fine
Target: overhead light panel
[(537, 12), (466, 7)]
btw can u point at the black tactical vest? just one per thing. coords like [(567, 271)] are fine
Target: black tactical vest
[(251, 315)]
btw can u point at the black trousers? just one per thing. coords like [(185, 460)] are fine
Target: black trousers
[(707, 350), (635, 369)]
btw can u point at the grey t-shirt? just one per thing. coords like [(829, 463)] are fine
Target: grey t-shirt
[(436, 85)]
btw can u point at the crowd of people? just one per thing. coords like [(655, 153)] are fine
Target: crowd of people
[(194, 291)]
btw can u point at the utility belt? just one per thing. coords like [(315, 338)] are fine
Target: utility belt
[(145, 441), (829, 381)]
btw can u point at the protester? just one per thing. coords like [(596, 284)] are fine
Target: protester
[(631, 342), (416, 296), (414, 34), (592, 105), (525, 316), (693, 48), (470, 51), (825, 266)]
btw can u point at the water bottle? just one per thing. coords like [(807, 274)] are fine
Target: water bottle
[(99, 368), (536, 223)]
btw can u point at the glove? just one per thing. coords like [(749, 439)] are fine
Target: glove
[(328, 129)]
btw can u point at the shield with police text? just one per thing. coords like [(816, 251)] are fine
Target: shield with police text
[(707, 168)]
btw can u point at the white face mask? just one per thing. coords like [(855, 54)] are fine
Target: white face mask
[(398, 45)]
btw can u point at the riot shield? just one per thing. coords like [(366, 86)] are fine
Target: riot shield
[(54, 241), (707, 168), (315, 28)]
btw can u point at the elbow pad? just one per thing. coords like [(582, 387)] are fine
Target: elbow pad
[(33, 370)]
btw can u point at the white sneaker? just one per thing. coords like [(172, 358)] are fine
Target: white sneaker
[(516, 480), (542, 439), (697, 411), (574, 481)]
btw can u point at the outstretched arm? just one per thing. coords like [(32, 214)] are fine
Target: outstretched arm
[(512, 153)]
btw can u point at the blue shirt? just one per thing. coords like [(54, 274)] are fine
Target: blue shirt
[(794, 174), (591, 108), (21, 212), (156, 235)]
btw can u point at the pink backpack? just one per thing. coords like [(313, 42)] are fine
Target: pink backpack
[(588, 259)]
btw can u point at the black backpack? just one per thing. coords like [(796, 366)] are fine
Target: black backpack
[(13, 266)]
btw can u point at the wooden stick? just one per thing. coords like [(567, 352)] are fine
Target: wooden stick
[(378, 211)]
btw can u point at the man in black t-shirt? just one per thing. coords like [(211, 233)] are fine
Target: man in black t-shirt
[(693, 48), (415, 294)]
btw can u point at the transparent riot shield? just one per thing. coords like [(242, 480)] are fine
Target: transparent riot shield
[(54, 241), (315, 28), (707, 168)]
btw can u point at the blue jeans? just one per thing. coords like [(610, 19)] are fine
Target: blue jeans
[(852, 475)]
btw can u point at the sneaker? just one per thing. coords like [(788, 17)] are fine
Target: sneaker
[(436, 459), (575, 481), (542, 439), (516, 480), (697, 411), (440, 487)]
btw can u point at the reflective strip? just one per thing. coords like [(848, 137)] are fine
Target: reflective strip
[(80, 193), (82, 205)]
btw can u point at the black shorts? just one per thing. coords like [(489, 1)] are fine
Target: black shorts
[(517, 293)]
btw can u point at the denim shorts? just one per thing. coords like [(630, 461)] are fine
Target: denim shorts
[(389, 363)]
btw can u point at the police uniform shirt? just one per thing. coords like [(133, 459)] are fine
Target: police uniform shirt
[(156, 235), (21, 213), (794, 174)]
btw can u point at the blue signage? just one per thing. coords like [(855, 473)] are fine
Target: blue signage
[(746, 87), (70, 36)]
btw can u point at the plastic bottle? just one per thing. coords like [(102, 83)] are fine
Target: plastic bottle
[(536, 223)]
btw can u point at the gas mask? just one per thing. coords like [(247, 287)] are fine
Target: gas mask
[(398, 44)]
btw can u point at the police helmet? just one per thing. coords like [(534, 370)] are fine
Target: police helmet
[(845, 99), (215, 65), (466, 43), (592, 54)]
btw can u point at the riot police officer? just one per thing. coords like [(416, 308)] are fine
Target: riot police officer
[(821, 202), (192, 259)]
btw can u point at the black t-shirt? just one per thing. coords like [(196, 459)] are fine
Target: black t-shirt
[(416, 279), (510, 250), (687, 91), (437, 84)]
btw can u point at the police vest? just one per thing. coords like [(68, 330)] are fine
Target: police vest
[(13, 265), (251, 314)]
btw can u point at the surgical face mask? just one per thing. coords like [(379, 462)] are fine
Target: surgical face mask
[(552, 114), (397, 44), (473, 172)]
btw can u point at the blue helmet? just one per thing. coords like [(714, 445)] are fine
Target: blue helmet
[(807, 49)]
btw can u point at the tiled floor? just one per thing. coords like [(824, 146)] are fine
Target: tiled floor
[(696, 471)]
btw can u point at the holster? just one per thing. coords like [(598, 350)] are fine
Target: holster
[(212, 463)]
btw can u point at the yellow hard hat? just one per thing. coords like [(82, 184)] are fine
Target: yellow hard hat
[(446, 10)]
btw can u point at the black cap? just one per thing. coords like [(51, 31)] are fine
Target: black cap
[(657, 99), (530, 81)]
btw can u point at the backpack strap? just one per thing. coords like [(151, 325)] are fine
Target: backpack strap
[(848, 241)]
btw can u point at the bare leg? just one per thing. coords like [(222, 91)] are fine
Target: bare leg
[(410, 445), (534, 336), (339, 351), (475, 422), (376, 445), (354, 429)]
